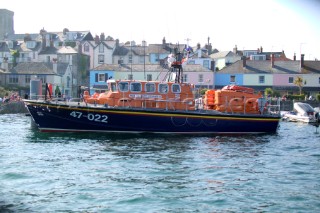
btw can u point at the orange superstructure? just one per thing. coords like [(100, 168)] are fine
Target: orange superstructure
[(146, 94)]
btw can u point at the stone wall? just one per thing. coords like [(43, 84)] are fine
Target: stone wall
[(13, 108)]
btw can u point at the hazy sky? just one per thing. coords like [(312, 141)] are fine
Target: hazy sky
[(276, 25)]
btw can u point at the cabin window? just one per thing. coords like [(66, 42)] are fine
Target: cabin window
[(176, 88), (113, 87), (290, 80), (261, 79), (232, 79), (150, 87), (135, 87), (124, 86), (163, 88)]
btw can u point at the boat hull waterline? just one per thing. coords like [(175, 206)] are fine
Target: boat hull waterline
[(52, 117)]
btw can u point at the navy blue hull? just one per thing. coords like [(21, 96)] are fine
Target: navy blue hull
[(52, 117)]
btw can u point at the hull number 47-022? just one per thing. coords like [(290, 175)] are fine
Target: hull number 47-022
[(90, 116)]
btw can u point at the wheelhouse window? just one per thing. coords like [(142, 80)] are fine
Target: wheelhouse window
[(176, 88), (150, 87), (135, 87), (261, 79), (290, 80), (163, 88), (123, 86)]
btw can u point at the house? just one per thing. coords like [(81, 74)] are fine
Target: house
[(224, 58), (57, 74), (276, 74)]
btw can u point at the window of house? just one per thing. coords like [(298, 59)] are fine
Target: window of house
[(13, 79), (290, 80), (101, 77), (185, 78), (191, 62), (68, 81), (176, 88), (130, 77), (31, 44), (149, 77), (261, 79), (141, 60), (124, 86), (43, 79), (48, 58), (135, 87), (200, 78), (232, 79), (150, 87), (163, 88), (100, 59), (130, 59), (206, 64), (86, 47), (27, 79), (101, 49), (319, 80)]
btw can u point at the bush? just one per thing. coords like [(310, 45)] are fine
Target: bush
[(296, 97), (318, 97)]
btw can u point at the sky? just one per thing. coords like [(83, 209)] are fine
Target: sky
[(292, 26)]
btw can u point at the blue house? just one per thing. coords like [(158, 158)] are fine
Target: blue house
[(99, 77)]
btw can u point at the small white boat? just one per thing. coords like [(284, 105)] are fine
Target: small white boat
[(302, 112)]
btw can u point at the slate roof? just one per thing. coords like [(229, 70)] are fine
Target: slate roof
[(222, 54), (38, 68), (24, 48), (280, 67)]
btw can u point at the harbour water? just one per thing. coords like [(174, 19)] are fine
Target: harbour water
[(50, 172)]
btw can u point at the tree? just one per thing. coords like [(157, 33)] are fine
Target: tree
[(15, 54), (298, 81)]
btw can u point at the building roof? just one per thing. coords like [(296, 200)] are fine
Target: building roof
[(39, 68), (280, 67)]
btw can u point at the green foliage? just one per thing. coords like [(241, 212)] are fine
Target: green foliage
[(4, 92), (318, 97), (271, 92), (298, 81), (296, 97), (203, 91)]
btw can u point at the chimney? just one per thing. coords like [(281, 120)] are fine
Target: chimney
[(302, 61), (117, 42), (96, 39), (102, 37), (235, 49), (244, 61), (164, 41), (261, 49), (272, 60), (294, 57)]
